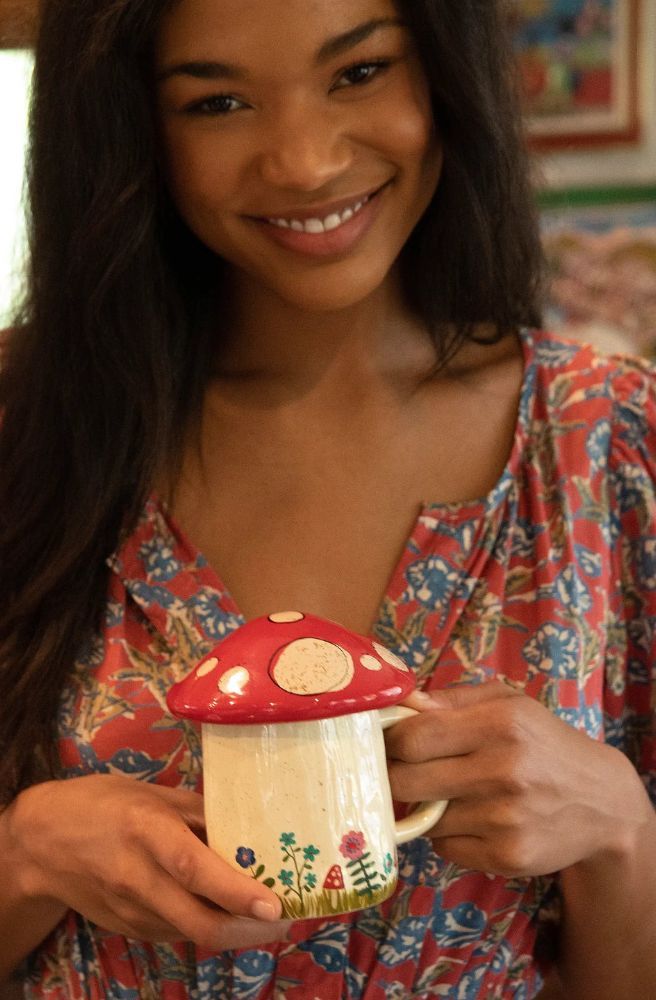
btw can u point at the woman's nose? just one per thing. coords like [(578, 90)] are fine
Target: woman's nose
[(305, 152)]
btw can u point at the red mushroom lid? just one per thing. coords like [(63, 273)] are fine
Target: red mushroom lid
[(290, 667)]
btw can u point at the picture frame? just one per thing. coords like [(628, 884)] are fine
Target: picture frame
[(578, 61)]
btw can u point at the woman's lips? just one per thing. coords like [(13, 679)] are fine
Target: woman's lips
[(331, 243)]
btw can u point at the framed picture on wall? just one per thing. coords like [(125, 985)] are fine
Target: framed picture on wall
[(579, 66)]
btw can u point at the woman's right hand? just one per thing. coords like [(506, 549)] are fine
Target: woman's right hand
[(127, 855)]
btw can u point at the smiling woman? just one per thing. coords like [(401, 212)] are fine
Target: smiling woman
[(283, 274), (280, 165)]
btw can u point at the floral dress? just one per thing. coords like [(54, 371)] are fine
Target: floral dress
[(549, 583)]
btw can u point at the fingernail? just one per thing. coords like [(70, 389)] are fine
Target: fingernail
[(265, 911)]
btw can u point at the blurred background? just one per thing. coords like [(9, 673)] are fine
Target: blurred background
[(588, 70)]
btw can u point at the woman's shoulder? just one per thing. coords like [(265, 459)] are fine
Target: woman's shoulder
[(567, 371)]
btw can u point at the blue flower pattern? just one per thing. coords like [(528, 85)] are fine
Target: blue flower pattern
[(517, 586)]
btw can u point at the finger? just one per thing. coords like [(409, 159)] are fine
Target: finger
[(209, 927), (466, 725), (462, 695), (445, 778), (202, 872), (188, 804), (240, 932), (431, 735), (466, 852), (180, 916)]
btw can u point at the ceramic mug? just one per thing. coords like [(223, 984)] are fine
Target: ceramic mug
[(306, 808), (297, 795)]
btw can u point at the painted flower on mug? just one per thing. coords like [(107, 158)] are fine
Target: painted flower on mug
[(310, 852), (245, 857), (352, 845)]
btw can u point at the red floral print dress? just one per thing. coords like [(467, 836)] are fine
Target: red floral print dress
[(548, 583)]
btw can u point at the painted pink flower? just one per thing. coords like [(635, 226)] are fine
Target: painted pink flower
[(352, 845)]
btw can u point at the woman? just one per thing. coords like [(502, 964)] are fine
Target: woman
[(283, 265)]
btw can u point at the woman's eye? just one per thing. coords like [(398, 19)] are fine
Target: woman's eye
[(220, 104), (363, 72)]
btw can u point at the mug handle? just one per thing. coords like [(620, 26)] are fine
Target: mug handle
[(426, 814)]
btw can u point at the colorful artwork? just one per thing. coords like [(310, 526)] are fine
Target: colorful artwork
[(353, 884), (602, 269), (578, 65)]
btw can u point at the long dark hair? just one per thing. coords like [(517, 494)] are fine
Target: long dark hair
[(105, 365)]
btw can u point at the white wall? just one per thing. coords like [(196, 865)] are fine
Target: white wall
[(15, 73)]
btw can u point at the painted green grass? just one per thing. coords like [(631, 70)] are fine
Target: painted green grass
[(330, 902)]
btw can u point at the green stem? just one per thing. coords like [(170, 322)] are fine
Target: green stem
[(298, 891)]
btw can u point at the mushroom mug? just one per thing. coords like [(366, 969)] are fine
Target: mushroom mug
[(296, 791)]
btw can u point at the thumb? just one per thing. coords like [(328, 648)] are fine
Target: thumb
[(459, 696)]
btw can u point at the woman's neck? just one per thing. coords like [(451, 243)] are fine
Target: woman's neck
[(282, 350)]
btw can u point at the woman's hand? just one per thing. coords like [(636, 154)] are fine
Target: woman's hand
[(529, 794), (126, 854)]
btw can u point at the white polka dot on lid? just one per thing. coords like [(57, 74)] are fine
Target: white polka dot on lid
[(390, 658), (207, 667), (234, 681), (286, 617), (312, 666), (371, 663)]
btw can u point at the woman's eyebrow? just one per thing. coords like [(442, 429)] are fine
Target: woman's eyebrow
[(349, 39), (211, 70)]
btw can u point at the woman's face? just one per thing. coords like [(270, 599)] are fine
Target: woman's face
[(298, 139)]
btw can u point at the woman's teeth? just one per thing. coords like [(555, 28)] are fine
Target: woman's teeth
[(316, 226)]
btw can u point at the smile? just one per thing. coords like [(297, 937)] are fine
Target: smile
[(316, 226)]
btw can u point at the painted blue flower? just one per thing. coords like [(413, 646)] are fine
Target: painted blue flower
[(646, 552), (589, 561), (135, 763), (554, 354), (245, 857), (114, 612), (310, 880), (632, 486), (404, 941), (153, 596), (216, 624), (159, 562), (328, 948), (554, 649), (598, 445), (287, 839), (459, 926), (310, 852), (286, 877), (432, 580), (523, 537), (571, 591), (635, 426), (388, 863), (254, 971)]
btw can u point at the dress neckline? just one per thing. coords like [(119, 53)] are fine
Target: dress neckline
[(429, 512)]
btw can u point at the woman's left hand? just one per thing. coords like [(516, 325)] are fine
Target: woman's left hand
[(528, 794)]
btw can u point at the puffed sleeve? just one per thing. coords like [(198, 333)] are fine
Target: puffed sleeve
[(630, 682)]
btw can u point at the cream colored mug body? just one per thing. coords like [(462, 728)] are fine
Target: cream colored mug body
[(306, 808)]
